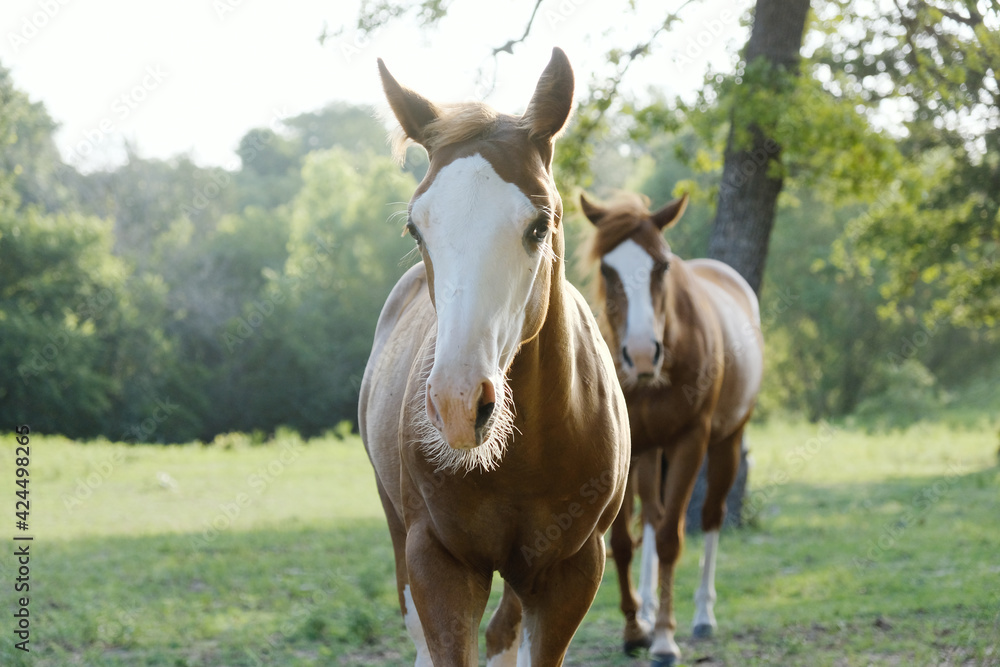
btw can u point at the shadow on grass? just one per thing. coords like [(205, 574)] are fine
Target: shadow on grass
[(905, 569)]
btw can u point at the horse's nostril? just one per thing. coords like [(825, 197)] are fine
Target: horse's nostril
[(628, 359), (483, 415), (658, 351)]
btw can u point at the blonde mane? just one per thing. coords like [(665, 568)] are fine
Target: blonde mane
[(454, 124), (627, 217)]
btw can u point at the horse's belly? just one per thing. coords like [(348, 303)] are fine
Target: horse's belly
[(744, 369)]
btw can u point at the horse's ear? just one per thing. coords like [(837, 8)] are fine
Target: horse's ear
[(669, 215), (552, 101), (412, 110), (593, 212)]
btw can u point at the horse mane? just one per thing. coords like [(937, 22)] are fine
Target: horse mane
[(627, 217), (454, 124)]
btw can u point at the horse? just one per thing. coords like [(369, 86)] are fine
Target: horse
[(686, 339), (490, 408)]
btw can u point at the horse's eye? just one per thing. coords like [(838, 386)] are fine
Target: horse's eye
[(661, 267), (539, 229), (413, 231)]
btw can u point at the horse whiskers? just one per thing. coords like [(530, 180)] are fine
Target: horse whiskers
[(436, 449), (628, 382)]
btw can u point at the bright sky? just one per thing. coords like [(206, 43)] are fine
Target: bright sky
[(194, 75)]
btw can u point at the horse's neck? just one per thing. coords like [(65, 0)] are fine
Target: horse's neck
[(683, 317), (545, 363)]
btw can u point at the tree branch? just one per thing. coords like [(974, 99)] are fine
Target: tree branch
[(511, 43)]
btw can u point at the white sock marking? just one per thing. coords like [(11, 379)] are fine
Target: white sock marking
[(704, 597), (416, 631), (649, 572)]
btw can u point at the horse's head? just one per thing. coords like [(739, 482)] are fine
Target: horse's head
[(635, 265), (486, 219)]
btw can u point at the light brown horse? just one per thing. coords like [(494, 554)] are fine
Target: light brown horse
[(489, 407), (686, 340)]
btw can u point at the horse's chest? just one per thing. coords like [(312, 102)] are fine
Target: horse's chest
[(656, 418), (529, 521)]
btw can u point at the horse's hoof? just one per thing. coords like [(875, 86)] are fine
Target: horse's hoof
[(663, 660), (703, 631), (633, 647)]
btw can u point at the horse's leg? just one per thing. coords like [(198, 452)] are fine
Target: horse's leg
[(503, 634), (397, 531), (682, 468), (723, 464), (553, 613), (650, 482), (635, 636), (449, 597)]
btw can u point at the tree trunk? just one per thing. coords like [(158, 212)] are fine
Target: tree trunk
[(749, 190)]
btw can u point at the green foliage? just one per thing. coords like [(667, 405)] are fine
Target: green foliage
[(310, 326), (908, 393), (162, 301), (934, 63), (72, 337)]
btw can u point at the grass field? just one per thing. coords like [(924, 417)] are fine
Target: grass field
[(863, 550)]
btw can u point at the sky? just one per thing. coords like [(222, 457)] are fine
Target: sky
[(192, 76)]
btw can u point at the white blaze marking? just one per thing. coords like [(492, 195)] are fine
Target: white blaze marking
[(634, 267), (416, 630), (473, 225), (704, 597), (649, 571)]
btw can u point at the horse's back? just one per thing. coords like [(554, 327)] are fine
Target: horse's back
[(727, 278), (403, 328), (738, 312)]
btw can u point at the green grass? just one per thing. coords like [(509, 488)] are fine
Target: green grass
[(863, 549)]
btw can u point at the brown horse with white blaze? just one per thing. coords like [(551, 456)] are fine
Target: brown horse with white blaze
[(687, 344), (489, 406)]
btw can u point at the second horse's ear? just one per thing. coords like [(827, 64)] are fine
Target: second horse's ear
[(593, 212), (413, 111), (552, 101), (668, 216)]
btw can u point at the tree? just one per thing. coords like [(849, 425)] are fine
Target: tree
[(751, 179)]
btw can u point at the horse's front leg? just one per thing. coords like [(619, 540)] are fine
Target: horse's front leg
[(723, 465), (636, 637), (683, 463), (553, 613), (649, 469), (449, 598)]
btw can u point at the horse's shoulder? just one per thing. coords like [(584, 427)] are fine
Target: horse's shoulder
[(406, 292)]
